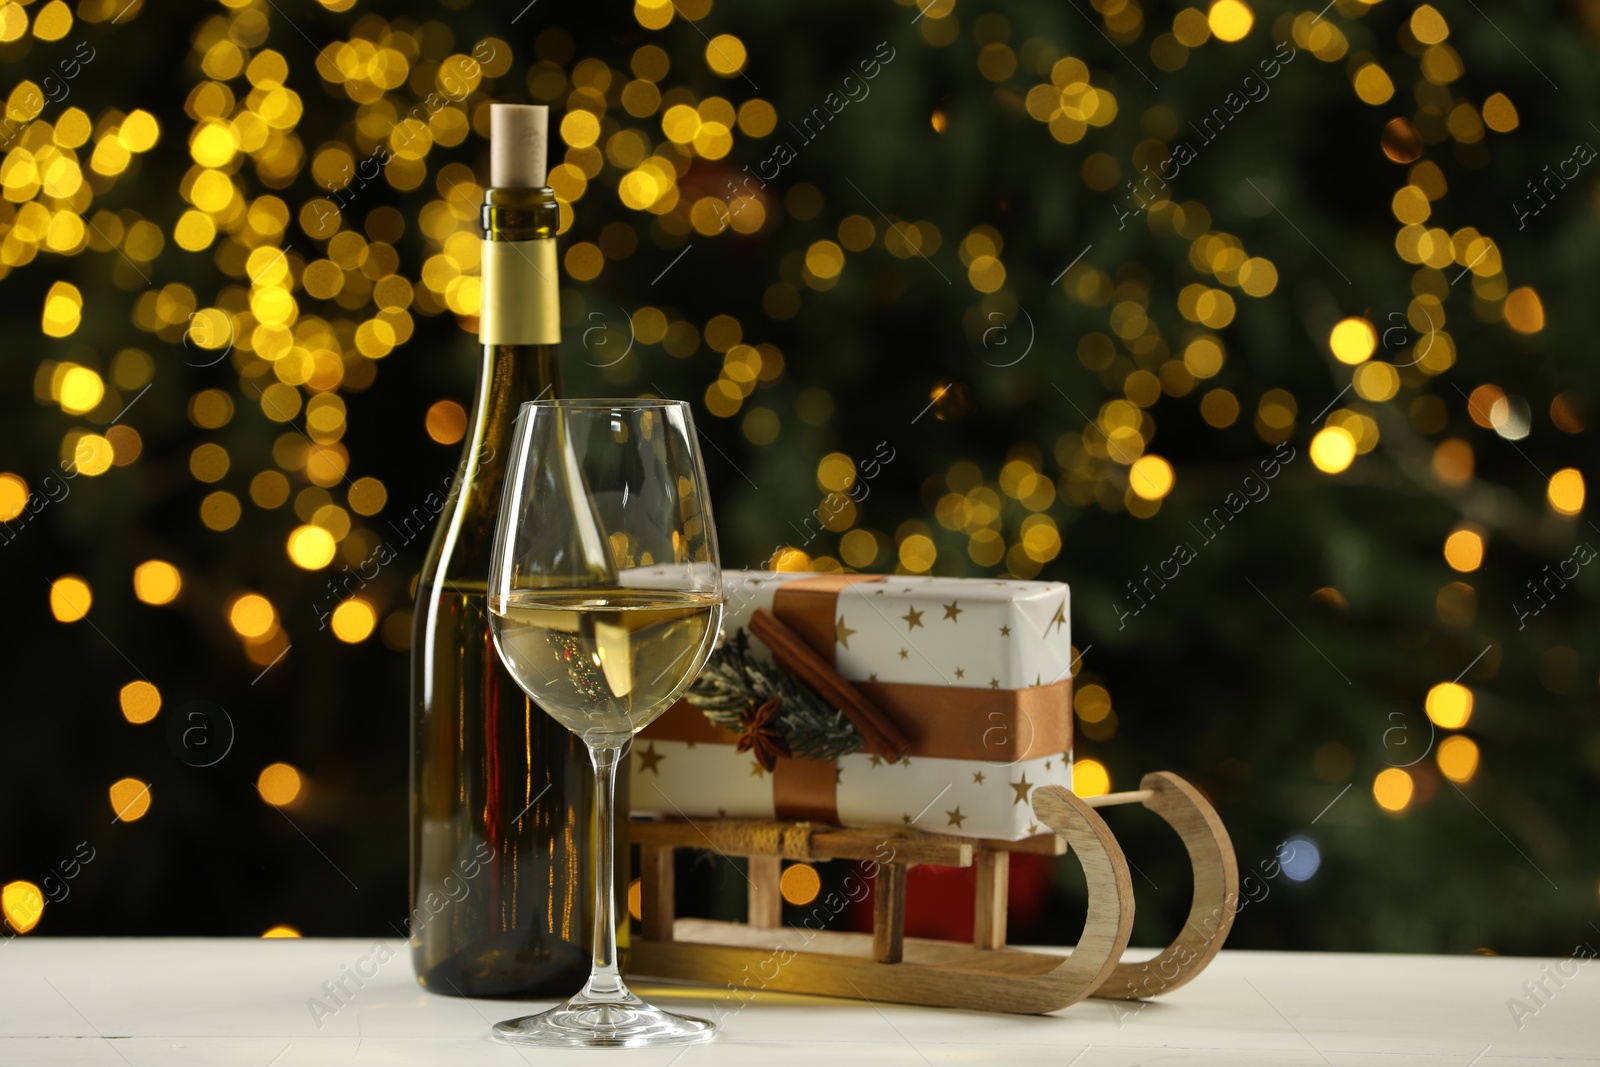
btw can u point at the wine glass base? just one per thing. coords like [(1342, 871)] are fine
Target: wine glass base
[(632, 1024)]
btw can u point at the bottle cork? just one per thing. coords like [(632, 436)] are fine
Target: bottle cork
[(518, 141)]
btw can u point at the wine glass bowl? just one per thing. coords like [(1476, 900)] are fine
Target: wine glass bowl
[(605, 599)]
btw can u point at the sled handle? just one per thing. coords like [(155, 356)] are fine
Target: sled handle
[(1216, 889)]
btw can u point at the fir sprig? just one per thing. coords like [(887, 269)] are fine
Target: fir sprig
[(734, 687)]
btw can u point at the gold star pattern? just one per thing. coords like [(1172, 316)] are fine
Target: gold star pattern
[(913, 618), (977, 777), (1005, 631), (960, 672), (1047, 765), (842, 633), (1021, 788), (649, 758), (877, 760), (873, 677), (994, 683), (688, 744), (756, 770), (904, 653), (1033, 828), (951, 611), (956, 818), (905, 819), (1060, 617)]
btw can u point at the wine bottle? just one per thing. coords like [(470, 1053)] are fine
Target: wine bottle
[(502, 812)]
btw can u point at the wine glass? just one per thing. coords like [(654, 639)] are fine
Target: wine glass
[(605, 599)]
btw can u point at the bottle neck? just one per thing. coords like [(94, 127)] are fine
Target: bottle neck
[(520, 323), (519, 327)]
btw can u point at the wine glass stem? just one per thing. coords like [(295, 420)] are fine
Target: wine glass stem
[(605, 982)]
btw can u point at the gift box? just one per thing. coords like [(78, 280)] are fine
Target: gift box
[(976, 673)]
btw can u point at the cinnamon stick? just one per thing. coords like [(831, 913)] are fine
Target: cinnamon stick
[(880, 733)]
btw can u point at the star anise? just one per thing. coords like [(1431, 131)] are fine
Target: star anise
[(764, 736)]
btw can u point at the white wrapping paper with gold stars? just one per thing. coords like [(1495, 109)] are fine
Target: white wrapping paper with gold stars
[(976, 672)]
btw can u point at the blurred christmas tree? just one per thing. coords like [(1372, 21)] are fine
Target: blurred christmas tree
[(1263, 328)]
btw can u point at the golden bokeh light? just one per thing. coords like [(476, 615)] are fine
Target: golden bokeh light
[(1376, 381), (252, 616), (130, 799), (1428, 26), (1372, 84), (81, 390), (92, 454), (269, 489), (725, 54), (53, 22), (220, 511), (1500, 114), (311, 547), (1090, 778), (209, 462), (1524, 310), (140, 701), (1151, 477), (367, 496), (1566, 491), (1333, 449), (63, 310), (14, 495), (1353, 341), (1230, 20), (22, 904), (917, 553), (446, 422), (1392, 789), (1092, 703), (353, 620), (1458, 758), (278, 784), (1463, 550), (800, 883), (70, 598), (156, 581), (1449, 705)]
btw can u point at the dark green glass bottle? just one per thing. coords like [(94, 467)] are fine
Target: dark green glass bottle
[(502, 817)]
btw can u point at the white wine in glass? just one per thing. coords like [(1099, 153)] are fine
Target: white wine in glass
[(605, 599)]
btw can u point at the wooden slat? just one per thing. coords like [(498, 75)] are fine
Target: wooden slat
[(657, 893), (766, 901), (1040, 845), (989, 911), (801, 841), (917, 951), (889, 914)]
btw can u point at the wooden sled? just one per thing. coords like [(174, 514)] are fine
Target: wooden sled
[(886, 965)]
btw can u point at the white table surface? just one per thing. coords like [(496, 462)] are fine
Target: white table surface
[(242, 1003)]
